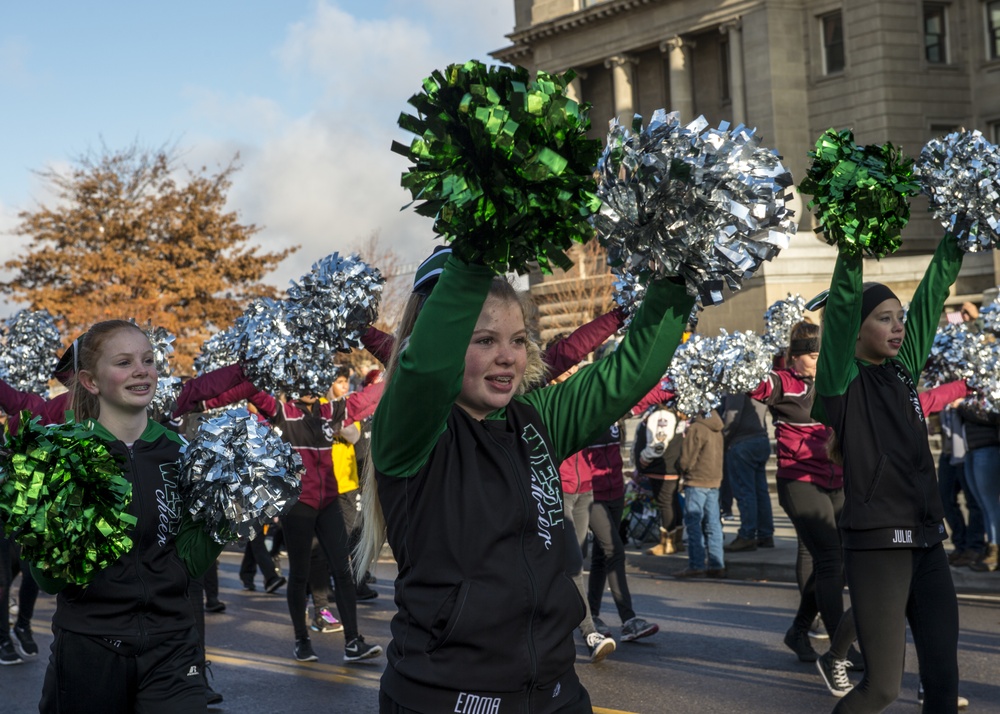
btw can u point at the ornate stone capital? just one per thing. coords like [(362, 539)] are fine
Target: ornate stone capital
[(676, 43), (620, 61)]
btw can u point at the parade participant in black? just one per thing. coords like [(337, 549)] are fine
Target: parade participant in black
[(892, 523), (470, 489)]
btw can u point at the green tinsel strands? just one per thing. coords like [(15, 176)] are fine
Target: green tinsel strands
[(64, 499), (503, 165), (860, 193)]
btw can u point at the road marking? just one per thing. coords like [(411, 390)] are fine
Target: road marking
[(602, 710), (338, 674)]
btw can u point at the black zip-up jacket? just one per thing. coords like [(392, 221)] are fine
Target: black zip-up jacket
[(142, 597), (890, 484), (474, 512)]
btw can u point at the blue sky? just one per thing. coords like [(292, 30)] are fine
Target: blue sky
[(306, 92)]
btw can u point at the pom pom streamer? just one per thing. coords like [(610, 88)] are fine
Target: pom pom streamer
[(237, 474), (780, 318), (956, 353), (168, 388), (961, 175), (986, 380), (990, 315), (65, 499), (860, 193), (216, 352), (291, 346), (503, 165), (30, 342), (708, 205), (704, 369)]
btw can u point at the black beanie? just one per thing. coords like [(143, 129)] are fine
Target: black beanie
[(873, 295)]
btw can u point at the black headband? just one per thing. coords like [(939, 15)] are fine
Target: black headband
[(874, 295), (804, 346)]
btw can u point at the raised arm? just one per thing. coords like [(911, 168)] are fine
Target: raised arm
[(581, 342)]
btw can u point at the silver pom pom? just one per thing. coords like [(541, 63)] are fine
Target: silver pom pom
[(705, 204), (961, 175), (957, 353), (704, 369), (216, 352), (990, 315), (168, 387), (30, 342), (780, 318), (237, 474)]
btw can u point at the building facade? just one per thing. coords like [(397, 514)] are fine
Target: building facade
[(891, 70)]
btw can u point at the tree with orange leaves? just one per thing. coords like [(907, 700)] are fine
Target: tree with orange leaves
[(127, 237)]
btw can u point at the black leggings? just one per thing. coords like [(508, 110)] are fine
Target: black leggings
[(667, 501), (814, 512), (607, 559), (888, 589), (300, 524)]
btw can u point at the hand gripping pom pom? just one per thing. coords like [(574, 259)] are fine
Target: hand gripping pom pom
[(65, 500), (961, 175), (237, 474), (704, 369), (708, 205), (860, 193), (503, 165), (30, 342), (780, 318)]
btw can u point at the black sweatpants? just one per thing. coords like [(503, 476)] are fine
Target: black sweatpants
[(300, 524), (607, 559), (91, 674), (888, 589)]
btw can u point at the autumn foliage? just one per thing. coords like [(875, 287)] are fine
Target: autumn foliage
[(127, 237)]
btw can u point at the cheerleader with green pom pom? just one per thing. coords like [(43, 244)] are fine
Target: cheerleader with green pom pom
[(125, 635), (892, 523)]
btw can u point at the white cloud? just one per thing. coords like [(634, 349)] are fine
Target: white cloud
[(245, 114)]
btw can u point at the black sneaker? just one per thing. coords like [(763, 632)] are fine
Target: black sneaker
[(357, 650), (834, 674), (366, 592), (23, 641), (599, 646), (8, 655), (211, 696), (637, 628), (216, 606), (798, 642), (855, 662), (274, 583), (304, 651)]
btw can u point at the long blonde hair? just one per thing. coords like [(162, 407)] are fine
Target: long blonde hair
[(88, 352), (373, 531)]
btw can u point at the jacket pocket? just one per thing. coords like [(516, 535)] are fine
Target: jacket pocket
[(878, 475), (447, 616)]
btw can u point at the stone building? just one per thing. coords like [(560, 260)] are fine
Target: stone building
[(891, 70)]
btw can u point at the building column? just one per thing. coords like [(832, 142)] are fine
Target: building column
[(678, 52), (623, 79), (574, 90), (737, 88)]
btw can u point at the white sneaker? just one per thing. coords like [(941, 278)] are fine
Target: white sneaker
[(599, 646)]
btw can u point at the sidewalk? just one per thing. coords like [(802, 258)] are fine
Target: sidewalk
[(777, 564)]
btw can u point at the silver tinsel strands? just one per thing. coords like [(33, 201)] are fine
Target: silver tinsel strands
[(780, 318), (958, 353), (30, 343), (705, 204), (337, 300), (990, 315), (704, 369), (263, 345), (237, 474), (216, 352), (961, 175)]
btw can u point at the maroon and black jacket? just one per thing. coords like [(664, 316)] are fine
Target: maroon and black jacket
[(802, 440)]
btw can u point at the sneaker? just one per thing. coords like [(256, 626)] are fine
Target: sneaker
[(690, 573), (637, 628), (855, 662), (274, 583), (216, 606), (369, 578), (8, 655), (601, 627), (718, 573), (304, 651), (357, 650), (963, 703), (817, 630), (834, 674), (741, 544), (23, 641), (599, 646), (798, 642), (212, 697), (765, 542), (326, 622), (365, 592), (249, 586)]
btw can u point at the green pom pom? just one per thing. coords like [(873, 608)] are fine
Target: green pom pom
[(502, 164), (860, 193), (64, 499)]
